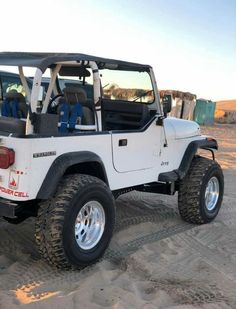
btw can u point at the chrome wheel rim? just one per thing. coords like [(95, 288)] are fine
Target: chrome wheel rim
[(89, 225), (212, 193)]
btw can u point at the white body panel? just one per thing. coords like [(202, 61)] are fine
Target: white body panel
[(140, 162), (142, 150), (183, 128)]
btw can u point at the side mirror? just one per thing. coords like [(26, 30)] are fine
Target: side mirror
[(167, 103)]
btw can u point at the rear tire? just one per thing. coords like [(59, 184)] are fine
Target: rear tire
[(74, 227), (201, 191)]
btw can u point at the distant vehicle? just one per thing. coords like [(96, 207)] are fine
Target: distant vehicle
[(11, 81), (66, 82)]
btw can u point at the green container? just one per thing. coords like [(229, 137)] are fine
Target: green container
[(204, 112)]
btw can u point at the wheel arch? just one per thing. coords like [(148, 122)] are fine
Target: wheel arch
[(84, 162), (190, 152)]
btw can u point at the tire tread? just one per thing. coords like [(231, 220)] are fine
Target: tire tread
[(190, 190), (51, 216)]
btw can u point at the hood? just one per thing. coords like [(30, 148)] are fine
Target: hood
[(181, 128)]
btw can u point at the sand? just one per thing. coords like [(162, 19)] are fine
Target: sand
[(155, 260), (225, 112), (229, 105)]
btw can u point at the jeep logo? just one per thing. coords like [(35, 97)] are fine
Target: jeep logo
[(164, 163)]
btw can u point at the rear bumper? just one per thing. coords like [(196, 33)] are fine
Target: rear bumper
[(7, 208)]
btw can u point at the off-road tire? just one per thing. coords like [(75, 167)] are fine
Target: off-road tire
[(54, 230), (191, 197)]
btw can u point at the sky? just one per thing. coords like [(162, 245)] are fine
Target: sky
[(191, 44)]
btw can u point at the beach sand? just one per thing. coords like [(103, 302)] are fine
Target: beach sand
[(155, 260)]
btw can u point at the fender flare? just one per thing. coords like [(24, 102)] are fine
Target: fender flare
[(190, 152), (60, 165)]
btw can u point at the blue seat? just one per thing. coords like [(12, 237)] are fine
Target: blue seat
[(14, 105), (70, 109)]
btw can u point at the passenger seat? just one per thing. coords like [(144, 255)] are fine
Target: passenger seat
[(14, 105), (74, 95)]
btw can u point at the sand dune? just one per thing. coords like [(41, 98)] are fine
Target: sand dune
[(229, 105), (155, 260)]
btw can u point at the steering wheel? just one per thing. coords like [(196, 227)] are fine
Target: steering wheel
[(52, 107)]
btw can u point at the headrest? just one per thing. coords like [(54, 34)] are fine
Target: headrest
[(75, 94), (14, 95)]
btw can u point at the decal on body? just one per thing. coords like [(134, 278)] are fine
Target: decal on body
[(13, 192)]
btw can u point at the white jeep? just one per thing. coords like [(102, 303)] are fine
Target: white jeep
[(68, 159)]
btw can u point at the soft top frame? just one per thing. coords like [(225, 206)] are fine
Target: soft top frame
[(45, 60)]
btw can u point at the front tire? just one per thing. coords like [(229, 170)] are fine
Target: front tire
[(201, 191), (74, 227)]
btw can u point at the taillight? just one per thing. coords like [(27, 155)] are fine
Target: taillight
[(7, 157)]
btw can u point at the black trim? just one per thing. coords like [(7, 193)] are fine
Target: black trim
[(59, 167), (81, 133), (157, 187), (144, 128), (169, 176), (1, 89), (7, 208), (12, 125), (33, 136), (189, 154), (153, 187)]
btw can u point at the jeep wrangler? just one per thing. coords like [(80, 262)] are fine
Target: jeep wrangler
[(65, 158)]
